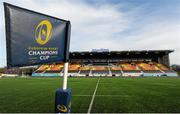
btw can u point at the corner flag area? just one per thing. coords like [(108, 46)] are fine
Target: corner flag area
[(98, 94)]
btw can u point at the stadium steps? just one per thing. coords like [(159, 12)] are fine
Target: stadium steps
[(90, 72), (110, 73), (122, 73), (79, 71)]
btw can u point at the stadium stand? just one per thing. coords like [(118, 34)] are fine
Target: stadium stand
[(130, 69), (116, 70), (100, 71), (74, 69), (54, 68), (166, 71), (148, 66), (162, 67), (49, 70), (115, 63), (127, 66), (149, 69), (85, 70)]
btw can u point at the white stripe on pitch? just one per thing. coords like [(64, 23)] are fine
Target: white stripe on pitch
[(92, 100), (102, 95)]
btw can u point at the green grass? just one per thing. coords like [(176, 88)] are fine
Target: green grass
[(178, 73), (113, 94)]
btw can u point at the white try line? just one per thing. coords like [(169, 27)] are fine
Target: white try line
[(92, 100)]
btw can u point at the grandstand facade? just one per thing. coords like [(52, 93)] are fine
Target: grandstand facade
[(113, 63)]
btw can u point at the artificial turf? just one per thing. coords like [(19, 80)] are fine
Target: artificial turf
[(154, 94)]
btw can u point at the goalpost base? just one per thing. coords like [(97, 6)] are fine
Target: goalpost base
[(63, 101)]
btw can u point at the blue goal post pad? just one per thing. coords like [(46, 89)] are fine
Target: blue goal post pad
[(34, 38), (62, 101)]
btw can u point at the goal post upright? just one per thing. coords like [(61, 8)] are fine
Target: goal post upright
[(65, 76), (63, 95), (66, 54)]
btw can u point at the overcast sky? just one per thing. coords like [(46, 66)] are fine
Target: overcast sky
[(113, 24)]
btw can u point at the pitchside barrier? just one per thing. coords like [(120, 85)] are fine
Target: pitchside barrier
[(33, 38)]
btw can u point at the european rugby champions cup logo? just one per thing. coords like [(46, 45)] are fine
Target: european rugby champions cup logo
[(43, 32), (62, 108)]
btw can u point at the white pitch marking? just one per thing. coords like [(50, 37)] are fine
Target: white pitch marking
[(92, 100), (82, 95), (102, 95)]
